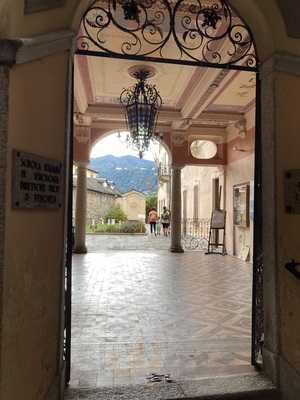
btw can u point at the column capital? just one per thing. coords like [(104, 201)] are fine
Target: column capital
[(82, 128), (177, 167), (82, 164), (82, 120)]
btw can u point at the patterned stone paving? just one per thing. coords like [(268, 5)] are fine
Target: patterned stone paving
[(127, 242), (248, 386), (138, 312)]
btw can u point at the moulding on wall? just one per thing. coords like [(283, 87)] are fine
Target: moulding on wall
[(24, 50), (281, 62), (44, 45), (32, 6)]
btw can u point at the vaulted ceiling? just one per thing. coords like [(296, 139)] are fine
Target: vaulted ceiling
[(195, 100)]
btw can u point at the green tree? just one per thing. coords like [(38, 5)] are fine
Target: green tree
[(116, 213), (151, 202)]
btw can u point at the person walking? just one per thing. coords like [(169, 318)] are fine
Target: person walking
[(165, 220), (153, 217)]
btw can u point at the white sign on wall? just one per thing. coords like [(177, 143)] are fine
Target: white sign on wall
[(37, 182)]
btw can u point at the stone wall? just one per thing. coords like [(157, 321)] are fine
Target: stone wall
[(98, 205)]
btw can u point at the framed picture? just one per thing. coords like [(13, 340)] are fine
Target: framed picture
[(241, 205)]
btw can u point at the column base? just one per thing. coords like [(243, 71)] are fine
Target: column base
[(176, 249), (80, 249)]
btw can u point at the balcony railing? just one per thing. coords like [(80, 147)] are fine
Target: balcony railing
[(164, 172), (195, 233)]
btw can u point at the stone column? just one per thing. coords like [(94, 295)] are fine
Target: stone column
[(80, 211), (176, 211)]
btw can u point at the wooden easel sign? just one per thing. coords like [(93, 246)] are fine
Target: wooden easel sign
[(217, 223), (218, 219)]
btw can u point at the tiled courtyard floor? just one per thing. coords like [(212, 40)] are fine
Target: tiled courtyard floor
[(141, 311)]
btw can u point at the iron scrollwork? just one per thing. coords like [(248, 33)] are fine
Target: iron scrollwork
[(258, 312), (119, 27), (205, 32)]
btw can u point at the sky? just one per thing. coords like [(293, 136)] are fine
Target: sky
[(116, 146)]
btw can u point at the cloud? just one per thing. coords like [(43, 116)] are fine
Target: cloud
[(115, 144)]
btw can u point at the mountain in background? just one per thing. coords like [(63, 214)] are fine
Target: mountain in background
[(127, 172)]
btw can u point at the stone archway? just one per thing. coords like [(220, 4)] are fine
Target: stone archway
[(265, 49), (85, 138), (279, 73)]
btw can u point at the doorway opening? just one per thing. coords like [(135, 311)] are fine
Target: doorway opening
[(216, 102)]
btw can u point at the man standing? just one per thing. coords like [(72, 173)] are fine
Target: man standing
[(165, 220), (153, 217)]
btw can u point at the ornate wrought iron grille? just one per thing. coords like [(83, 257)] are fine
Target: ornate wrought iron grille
[(190, 32)]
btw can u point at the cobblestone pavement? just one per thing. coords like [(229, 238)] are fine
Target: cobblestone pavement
[(127, 242), (139, 312)]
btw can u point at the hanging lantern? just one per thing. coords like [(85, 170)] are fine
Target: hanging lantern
[(142, 103)]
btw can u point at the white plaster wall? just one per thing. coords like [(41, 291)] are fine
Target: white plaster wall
[(238, 172), (34, 239), (163, 196), (203, 177)]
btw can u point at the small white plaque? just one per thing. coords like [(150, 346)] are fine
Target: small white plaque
[(37, 182)]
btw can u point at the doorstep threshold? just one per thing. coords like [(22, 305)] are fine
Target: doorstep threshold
[(237, 387)]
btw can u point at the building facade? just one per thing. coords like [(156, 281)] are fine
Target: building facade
[(205, 188), (133, 203), (101, 196)]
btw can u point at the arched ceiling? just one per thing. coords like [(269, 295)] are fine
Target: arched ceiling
[(194, 99)]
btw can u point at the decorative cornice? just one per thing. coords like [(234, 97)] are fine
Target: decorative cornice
[(114, 113), (82, 120), (281, 62), (24, 50)]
